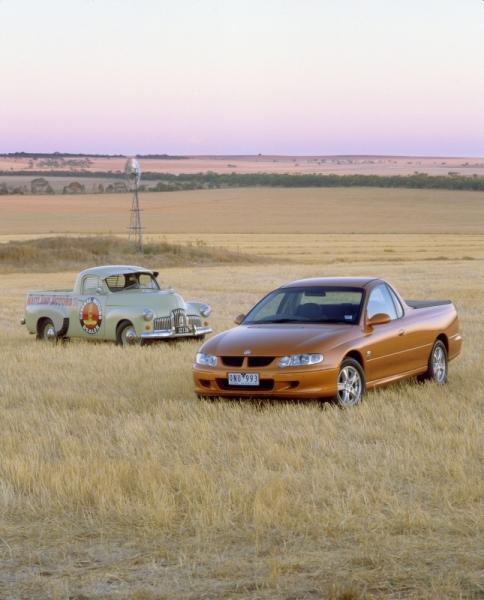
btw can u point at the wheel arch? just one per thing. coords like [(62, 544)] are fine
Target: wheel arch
[(355, 355), (40, 323), (445, 340), (121, 323)]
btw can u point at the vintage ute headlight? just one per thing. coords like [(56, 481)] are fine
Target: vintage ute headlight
[(205, 310), (148, 315), (299, 360), (207, 360)]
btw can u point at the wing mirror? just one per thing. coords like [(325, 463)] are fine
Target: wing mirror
[(379, 319), (100, 291), (238, 320)]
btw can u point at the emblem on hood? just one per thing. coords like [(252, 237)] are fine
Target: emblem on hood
[(246, 352)]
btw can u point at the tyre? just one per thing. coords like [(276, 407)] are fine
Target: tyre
[(126, 335), (438, 366), (351, 383), (47, 332)]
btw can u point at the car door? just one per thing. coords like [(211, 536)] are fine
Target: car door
[(88, 319), (386, 352), (418, 339)]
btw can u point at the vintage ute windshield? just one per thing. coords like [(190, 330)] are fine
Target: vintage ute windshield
[(311, 304), (131, 281)]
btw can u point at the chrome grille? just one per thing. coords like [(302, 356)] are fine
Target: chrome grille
[(178, 320), (194, 321), (162, 323)]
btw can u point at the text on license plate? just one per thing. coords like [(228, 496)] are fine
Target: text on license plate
[(243, 378)]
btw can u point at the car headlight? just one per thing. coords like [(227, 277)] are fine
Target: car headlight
[(206, 360), (205, 310), (299, 360), (148, 315)]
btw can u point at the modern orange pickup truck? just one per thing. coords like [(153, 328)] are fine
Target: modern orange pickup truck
[(328, 337)]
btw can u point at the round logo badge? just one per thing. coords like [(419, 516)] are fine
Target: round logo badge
[(90, 316)]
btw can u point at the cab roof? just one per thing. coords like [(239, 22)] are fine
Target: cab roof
[(332, 281), (110, 270)]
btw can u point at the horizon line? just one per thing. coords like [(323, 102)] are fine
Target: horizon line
[(162, 155)]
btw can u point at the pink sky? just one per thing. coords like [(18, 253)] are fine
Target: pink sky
[(217, 77)]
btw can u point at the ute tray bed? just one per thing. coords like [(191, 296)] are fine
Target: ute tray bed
[(427, 303)]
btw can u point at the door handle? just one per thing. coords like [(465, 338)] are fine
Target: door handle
[(401, 332)]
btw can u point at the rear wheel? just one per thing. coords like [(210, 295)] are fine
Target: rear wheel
[(47, 332), (438, 364), (351, 383), (127, 336)]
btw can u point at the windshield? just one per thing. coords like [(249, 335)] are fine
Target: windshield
[(132, 281), (321, 304)]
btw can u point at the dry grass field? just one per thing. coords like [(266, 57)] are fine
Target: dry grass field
[(252, 210), (116, 482)]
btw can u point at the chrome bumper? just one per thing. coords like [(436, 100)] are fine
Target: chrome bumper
[(163, 334)]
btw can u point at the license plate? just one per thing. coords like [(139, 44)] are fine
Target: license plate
[(243, 378)]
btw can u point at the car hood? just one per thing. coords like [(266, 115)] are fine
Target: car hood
[(161, 302), (277, 339)]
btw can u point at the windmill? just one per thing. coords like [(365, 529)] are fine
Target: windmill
[(133, 173)]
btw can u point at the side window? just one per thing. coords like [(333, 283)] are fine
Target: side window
[(90, 284), (396, 302), (380, 301)]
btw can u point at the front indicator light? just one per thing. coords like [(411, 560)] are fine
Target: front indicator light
[(205, 311), (300, 360), (206, 360)]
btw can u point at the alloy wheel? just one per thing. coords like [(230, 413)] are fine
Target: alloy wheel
[(350, 386), (439, 364)]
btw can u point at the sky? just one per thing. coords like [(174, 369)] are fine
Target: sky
[(243, 77)]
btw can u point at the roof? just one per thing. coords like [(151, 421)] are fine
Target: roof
[(109, 270), (332, 281)]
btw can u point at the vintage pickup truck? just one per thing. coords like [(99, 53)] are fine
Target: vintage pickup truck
[(121, 303)]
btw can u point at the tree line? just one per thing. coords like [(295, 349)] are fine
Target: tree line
[(168, 182)]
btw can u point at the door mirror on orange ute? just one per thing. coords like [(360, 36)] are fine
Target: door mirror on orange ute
[(379, 319), (238, 320)]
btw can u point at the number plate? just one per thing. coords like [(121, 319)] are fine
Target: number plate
[(243, 378)]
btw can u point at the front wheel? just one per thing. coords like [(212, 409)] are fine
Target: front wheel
[(438, 364), (351, 383), (127, 336)]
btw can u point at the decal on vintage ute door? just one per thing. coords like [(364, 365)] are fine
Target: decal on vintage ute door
[(90, 316)]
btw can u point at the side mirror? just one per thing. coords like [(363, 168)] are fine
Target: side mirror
[(379, 319), (100, 291), (238, 320)]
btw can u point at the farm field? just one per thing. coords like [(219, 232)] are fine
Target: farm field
[(116, 482), (251, 210), (343, 165)]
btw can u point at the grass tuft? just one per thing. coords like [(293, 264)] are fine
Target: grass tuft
[(73, 253)]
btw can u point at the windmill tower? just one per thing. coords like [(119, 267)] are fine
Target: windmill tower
[(133, 173)]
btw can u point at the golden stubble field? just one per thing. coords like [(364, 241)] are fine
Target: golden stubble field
[(251, 210), (116, 482)]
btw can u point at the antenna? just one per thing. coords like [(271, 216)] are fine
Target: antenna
[(133, 173)]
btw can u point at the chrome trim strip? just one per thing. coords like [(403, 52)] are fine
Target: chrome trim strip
[(171, 333)]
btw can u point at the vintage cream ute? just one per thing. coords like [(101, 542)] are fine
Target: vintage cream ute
[(120, 303)]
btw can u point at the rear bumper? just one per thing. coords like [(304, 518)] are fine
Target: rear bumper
[(163, 334), (275, 383)]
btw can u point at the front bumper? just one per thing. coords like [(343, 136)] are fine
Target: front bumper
[(274, 382), (163, 334)]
